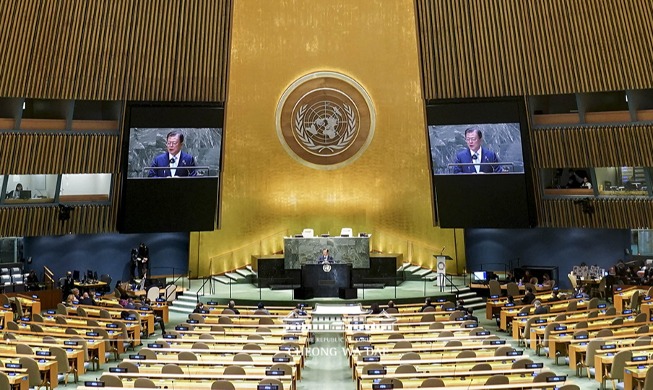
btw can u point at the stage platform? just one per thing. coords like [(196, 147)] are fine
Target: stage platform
[(407, 292)]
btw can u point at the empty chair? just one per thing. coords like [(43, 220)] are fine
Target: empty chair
[(395, 383), (254, 337), (521, 363), (503, 351), (466, 354), (24, 349), (234, 370), (206, 336), (91, 322), (37, 379), (266, 321), (244, 357), (186, 355), (396, 336), (542, 376), (403, 345), (481, 367), (512, 289), (634, 301), (571, 386), (588, 361), (581, 325), (429, 317), (153, 293), (281, 355), (81, 312), (436, 325), (454, 343), (225, 320), (200, 345), (642, 340), (271, 381), (572, 306), (610, 311), (222, 385), (604, 333), (593, 314), (495, 287), (526, 310), (171, 368), (171, 292), (432, 382), (36, 317), (593, 303), (148, 353), (11, 325), (405, 369), (641, 317), (251, 347), (455, 315), (36, 328), (285, 368), (642, 329), (497, 380), (560, 317), (617, 369), (104, 313), (111, 380), (446, 333), (618, 321), (129, 366), (4, 381), (63, 364), (263, 329), (411, 356), (197, 317), (308, 233), (488, 340), (144, 383)]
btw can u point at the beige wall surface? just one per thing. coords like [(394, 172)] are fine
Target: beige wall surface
[(266, 194)]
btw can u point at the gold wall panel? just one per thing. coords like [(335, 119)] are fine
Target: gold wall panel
[(265, 193)]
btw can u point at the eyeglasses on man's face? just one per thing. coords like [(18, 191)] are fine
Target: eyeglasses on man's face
[(471, 139), (172, 143)]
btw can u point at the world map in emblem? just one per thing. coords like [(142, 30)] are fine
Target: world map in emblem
[(325, 120), (326, 127)]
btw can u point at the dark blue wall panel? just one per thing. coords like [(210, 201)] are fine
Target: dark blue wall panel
[(563, 248), (107, 253)]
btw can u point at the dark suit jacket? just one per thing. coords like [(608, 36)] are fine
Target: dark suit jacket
[(325, 259), (487, 156), (163, 160)]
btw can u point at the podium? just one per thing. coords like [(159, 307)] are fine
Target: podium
[(441, 268), (329, 280)]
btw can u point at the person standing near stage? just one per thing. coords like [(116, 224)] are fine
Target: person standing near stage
[(143, 257)]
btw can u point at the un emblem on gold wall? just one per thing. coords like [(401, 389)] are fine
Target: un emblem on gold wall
[(325, 120)]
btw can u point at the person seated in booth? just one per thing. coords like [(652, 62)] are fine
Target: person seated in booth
[(325, 257), (547, 282), (539, 308), (232, 306), (427, 303), (199, 308), (375, 308), (529, 297), (260, 309), (15, 194), (147, 305), (32, 281), (87, 299), (298, 311), (554, 296)]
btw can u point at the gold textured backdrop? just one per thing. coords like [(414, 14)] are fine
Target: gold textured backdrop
[(265, 193)]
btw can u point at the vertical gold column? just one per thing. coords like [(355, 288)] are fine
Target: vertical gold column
[(265, 193)]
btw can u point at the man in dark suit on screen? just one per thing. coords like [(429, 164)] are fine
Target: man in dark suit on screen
[(325, 257), (174, 162), (475, 154)]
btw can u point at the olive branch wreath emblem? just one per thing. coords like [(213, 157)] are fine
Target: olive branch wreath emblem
[(342, 143)]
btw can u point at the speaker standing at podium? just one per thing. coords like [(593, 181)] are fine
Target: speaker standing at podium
[(173, 158), (325, 257)]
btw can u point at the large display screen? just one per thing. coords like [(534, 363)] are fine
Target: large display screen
[(479, 155), (476, 148), (172, 154)]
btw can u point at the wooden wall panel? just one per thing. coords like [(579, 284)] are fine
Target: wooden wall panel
[(115, 49), (593, 146), (484, 48)]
